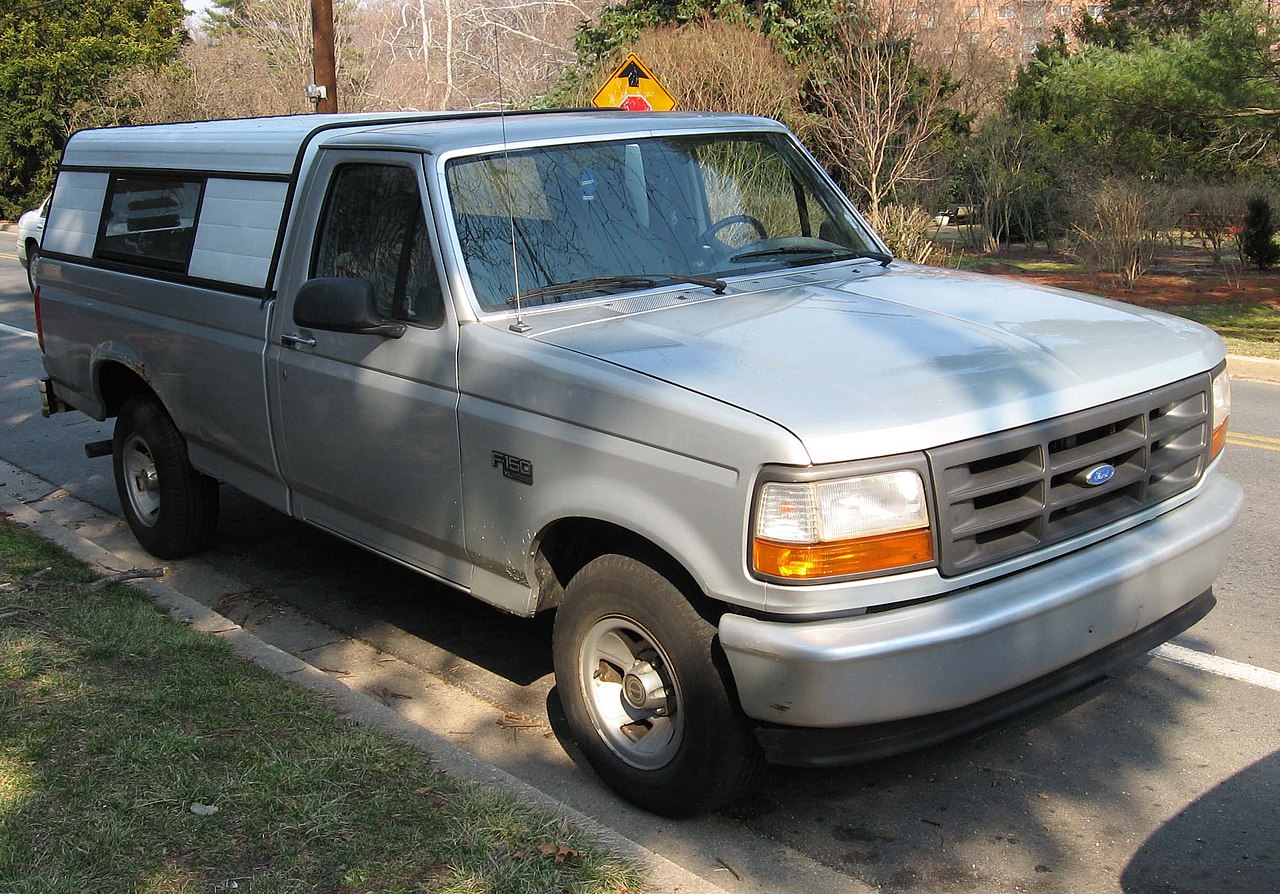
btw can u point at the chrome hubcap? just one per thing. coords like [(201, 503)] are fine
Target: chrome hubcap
[(142, 482), (631, 693)]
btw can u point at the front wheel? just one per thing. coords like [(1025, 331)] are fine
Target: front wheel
[(171, 508), (648, 693)]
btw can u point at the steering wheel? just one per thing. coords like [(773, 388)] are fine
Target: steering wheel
[(732, 219)]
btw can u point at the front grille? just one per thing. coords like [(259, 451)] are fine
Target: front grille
[(1009, 493)]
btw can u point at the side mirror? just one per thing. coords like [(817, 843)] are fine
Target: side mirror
[(342, 304)]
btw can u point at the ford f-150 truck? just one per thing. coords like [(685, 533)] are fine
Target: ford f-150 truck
[(791, 499)]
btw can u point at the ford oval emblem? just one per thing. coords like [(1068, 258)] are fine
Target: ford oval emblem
[(1099, 474)]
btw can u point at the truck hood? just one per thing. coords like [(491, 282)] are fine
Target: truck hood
[(872, 362)]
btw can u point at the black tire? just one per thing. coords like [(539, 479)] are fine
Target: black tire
[(33, 255), (705, 755), (171, 508)]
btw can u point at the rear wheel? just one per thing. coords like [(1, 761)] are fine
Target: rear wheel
[(171, 508), (648, 693)]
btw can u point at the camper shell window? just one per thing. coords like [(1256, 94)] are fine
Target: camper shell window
[(150, 220)]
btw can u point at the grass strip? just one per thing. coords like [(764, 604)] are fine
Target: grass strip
[(1252, 329), (139, 755)]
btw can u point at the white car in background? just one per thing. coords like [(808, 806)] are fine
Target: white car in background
[(30, 232)]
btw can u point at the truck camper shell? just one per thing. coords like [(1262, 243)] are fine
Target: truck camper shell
[(247, 171)]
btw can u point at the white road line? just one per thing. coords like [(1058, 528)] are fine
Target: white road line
[(1223, 667), (14, 330)]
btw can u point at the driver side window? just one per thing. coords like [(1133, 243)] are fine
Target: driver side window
[(373, 228)]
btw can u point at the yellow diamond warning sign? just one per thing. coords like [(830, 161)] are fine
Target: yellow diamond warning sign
[(634, 88)]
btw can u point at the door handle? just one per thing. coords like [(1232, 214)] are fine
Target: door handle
[(292, 340)]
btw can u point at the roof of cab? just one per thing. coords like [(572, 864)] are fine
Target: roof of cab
[(491, 131), (270, 146)]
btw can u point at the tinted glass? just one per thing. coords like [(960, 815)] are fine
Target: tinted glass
[(703, 206), (374, 229), (150, 221)]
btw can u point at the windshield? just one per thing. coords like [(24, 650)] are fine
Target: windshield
[(594, 218)]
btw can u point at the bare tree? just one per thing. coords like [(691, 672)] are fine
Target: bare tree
[(980, 59), (449, 53), (397, 54), (878, 107)]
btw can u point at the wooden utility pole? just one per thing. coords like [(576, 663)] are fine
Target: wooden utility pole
[(322, 58)]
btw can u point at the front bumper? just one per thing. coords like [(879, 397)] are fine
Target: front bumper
[(969, 647)]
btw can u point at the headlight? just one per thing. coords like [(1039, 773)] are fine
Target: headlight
[(1221, 411), (814, 530)]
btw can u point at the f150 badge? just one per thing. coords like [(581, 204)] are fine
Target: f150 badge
[(514, 467)]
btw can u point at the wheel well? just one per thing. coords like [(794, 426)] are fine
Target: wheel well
[(33, 247), (116, 384), (567, 545)]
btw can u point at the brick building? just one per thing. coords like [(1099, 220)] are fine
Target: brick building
[(1011, 28)]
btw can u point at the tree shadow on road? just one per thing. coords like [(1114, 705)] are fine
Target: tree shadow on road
[(1226, 840)]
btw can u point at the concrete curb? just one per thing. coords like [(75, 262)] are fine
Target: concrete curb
[(662, 874), (1262, 369)]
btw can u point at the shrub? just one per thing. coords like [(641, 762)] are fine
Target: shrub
[(906, 231), (1257, 238), (1117, 229)]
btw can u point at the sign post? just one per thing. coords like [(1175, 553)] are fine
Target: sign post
[(634, 88)]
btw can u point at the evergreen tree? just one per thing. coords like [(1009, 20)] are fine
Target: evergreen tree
[(1258, 238), (54, 54)]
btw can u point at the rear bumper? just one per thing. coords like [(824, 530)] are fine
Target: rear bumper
[(959, 651)]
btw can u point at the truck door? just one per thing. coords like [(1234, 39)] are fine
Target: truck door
[(366, 425)]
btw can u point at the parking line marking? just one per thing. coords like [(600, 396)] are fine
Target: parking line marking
[(1223, 667), (14, 330)]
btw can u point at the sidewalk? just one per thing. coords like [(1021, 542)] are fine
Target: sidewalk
[(1261, 369)]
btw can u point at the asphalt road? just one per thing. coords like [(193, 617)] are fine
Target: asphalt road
[(1161, 778)]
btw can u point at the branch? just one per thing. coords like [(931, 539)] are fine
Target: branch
[(121, 577)]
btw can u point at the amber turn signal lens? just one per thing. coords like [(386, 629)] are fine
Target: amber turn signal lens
[(813, 561), (1219, 440)]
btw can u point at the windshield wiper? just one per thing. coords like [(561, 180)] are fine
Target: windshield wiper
[(813, 254), (619, 281)]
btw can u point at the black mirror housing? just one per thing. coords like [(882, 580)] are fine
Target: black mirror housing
[(342, 304)]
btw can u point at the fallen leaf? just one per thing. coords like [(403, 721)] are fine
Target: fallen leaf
[(512, 720), (433, 796), (558, 852)]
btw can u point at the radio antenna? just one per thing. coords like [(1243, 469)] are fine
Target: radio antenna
[(519, 325)]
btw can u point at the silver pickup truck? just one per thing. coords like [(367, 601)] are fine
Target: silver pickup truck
[(791, 499)]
